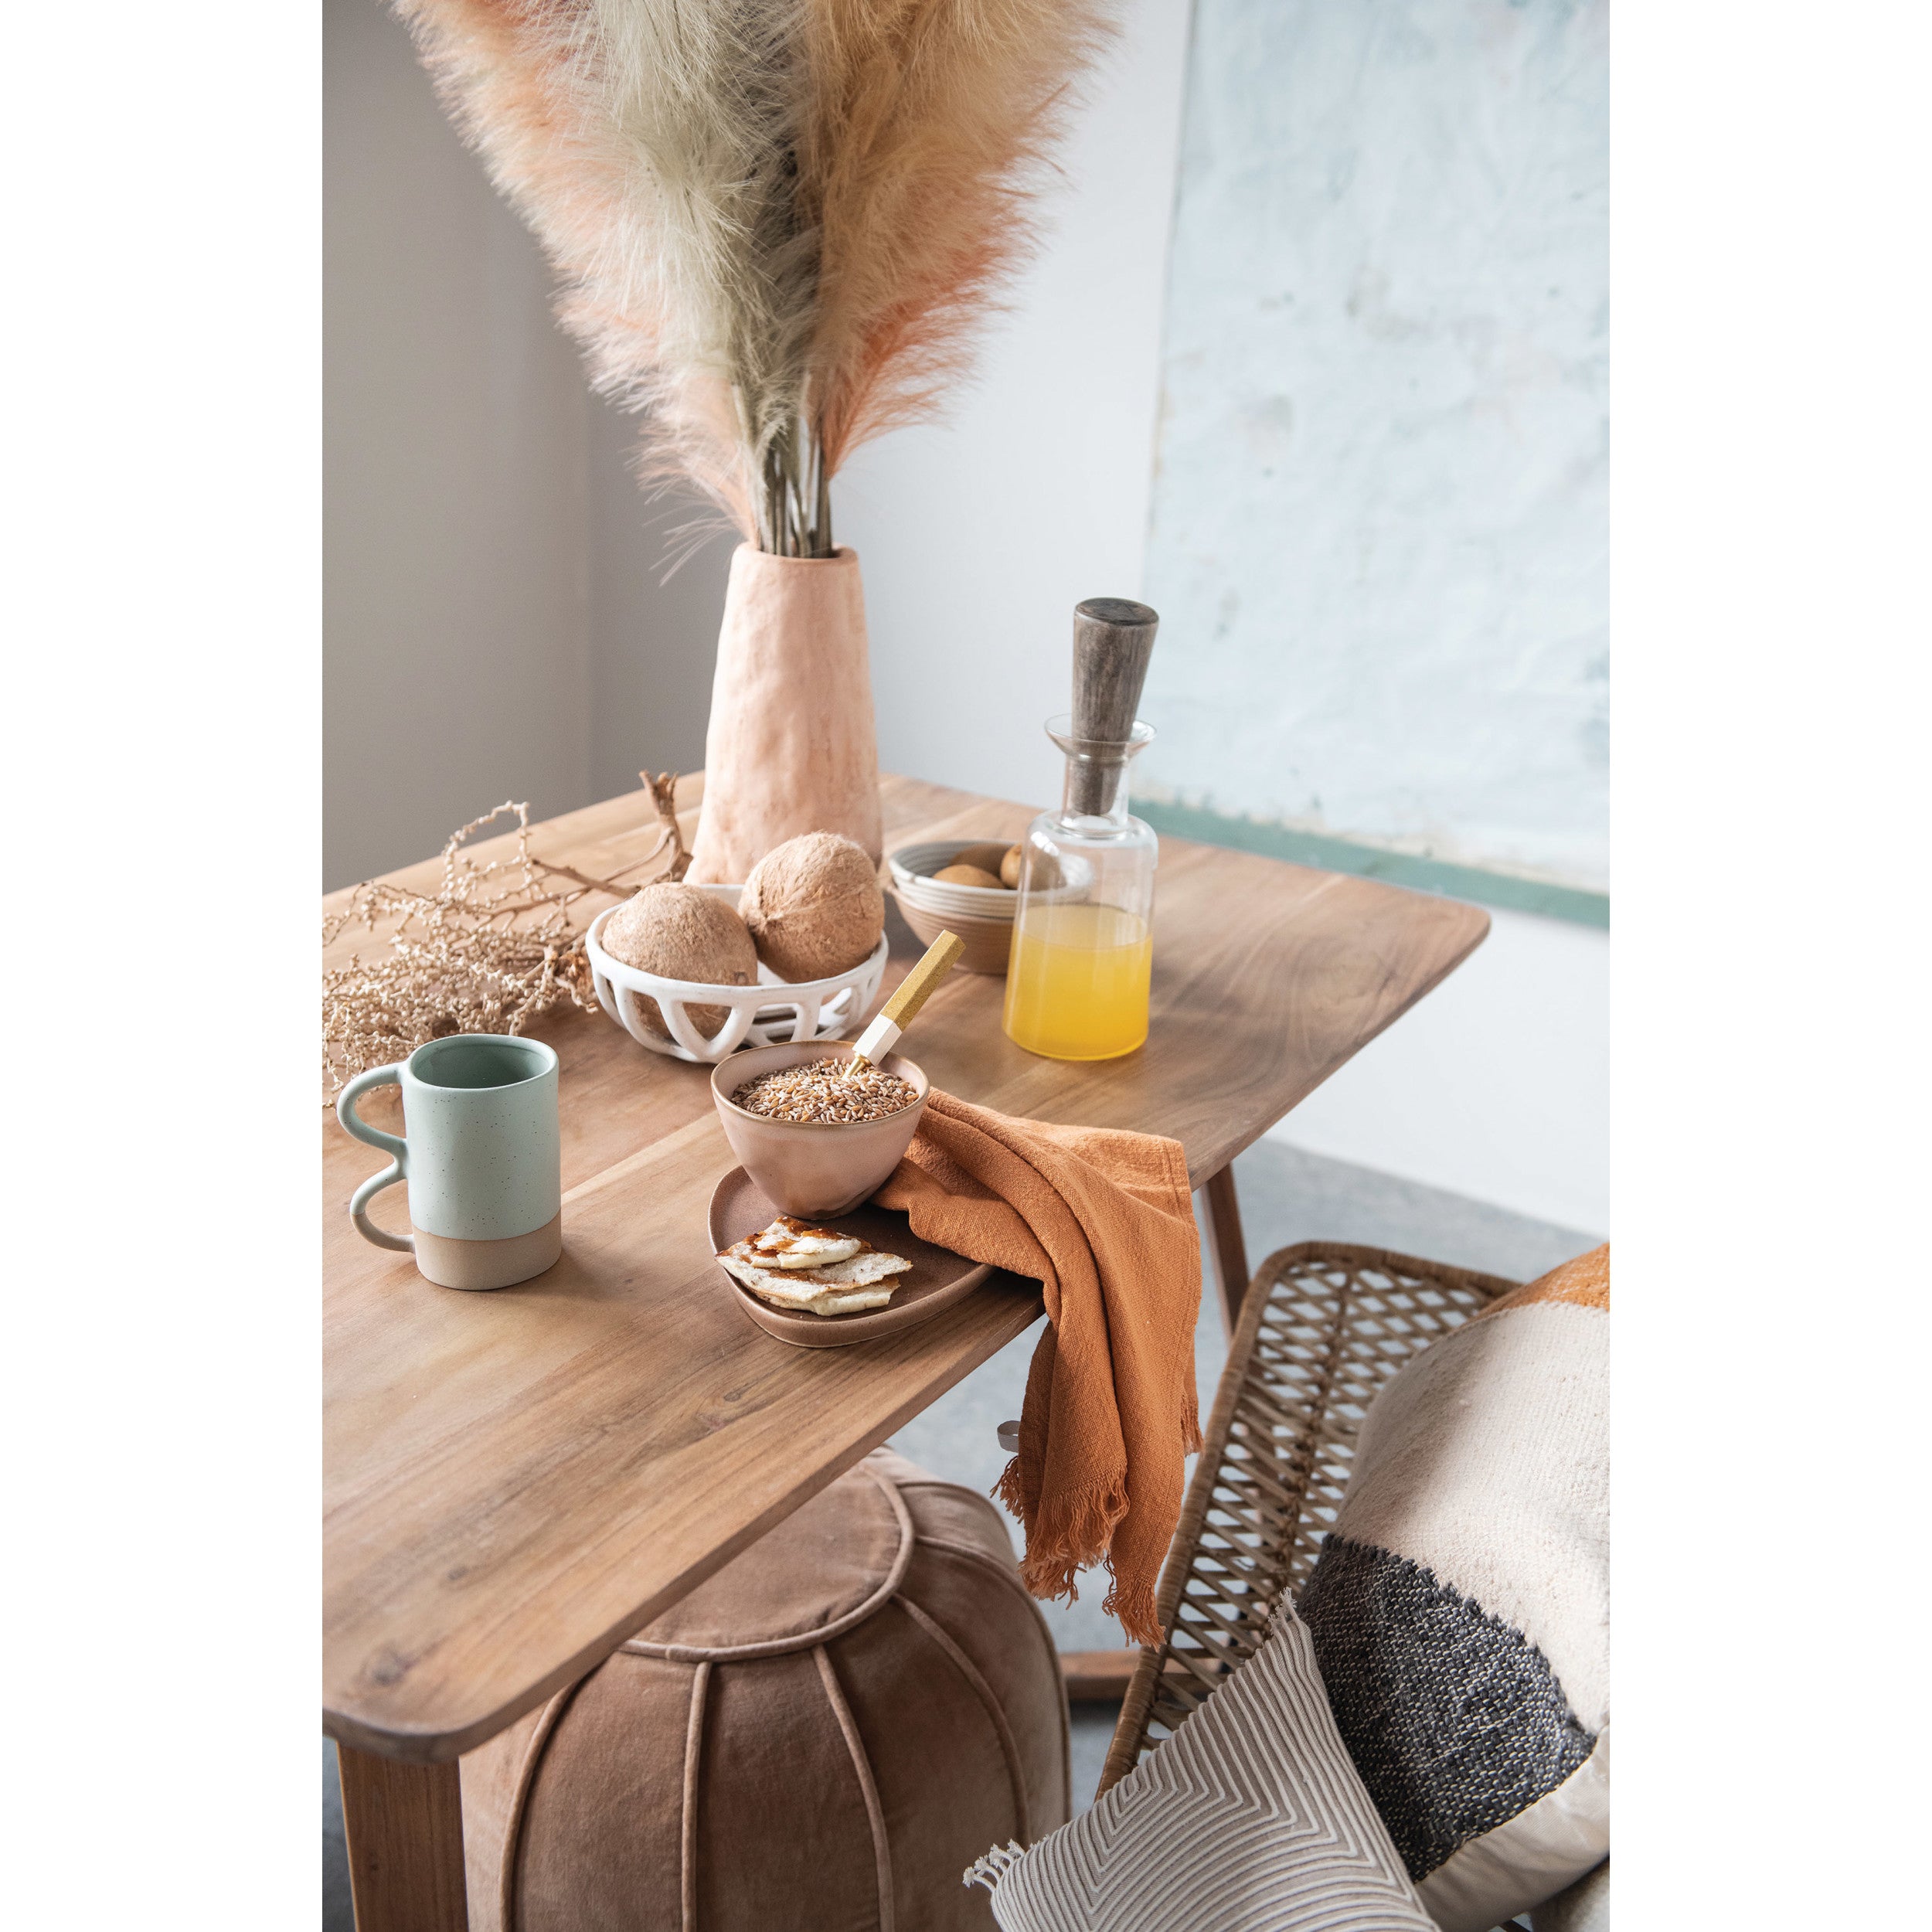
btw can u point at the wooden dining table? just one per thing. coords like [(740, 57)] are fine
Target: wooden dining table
[(515, 1482)]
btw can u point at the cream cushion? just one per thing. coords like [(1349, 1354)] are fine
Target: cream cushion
[(1461, 1608)]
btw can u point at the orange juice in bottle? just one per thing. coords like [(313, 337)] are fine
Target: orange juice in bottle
[(1077, 981)]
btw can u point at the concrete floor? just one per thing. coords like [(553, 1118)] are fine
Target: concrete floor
[(1286, 1196)]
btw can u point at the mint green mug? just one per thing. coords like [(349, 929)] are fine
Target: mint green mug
[(483, 1158)]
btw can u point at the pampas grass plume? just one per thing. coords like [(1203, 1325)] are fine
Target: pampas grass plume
[(778, 226)]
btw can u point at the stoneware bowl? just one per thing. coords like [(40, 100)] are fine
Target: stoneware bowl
[(988, 941), (810, 1168), (982, 917)]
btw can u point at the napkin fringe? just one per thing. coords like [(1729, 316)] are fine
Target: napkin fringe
[(1055, 1555)]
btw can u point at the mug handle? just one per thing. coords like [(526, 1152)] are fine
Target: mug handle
[(398, 1168)]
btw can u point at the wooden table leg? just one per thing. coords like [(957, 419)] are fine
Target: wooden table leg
[(1226, 1244), (404, 1824), (1102, 1676)]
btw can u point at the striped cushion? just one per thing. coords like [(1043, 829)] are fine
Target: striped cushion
[(1461, 1610), (1250, 1818)]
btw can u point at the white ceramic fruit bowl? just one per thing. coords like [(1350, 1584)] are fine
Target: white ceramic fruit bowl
[(773, 1011)]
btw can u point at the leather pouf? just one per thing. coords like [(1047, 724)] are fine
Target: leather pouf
[(821, 1738)]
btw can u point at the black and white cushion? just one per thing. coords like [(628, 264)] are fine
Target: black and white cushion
[(1461, 1610)]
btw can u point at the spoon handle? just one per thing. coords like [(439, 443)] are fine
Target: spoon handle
[(914, 990)]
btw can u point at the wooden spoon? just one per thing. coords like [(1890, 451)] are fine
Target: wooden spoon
[(914, 990)]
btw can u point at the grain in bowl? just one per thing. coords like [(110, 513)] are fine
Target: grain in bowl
[(826, 1093)]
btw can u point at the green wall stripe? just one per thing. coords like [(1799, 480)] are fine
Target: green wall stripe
[(1375, 861)]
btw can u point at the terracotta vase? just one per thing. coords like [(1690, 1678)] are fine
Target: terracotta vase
[(791, 746)]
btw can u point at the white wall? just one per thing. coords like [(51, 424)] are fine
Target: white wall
[(978, 536), (456, 670), (652, 642), (1379, 535), (495, 625), (1497, 1086)]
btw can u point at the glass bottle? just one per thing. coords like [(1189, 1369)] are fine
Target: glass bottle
[(1083, 948)]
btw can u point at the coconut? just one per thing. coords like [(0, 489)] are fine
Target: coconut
[(814, 907), (680, 932)]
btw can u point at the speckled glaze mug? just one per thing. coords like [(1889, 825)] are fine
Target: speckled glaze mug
[(483, 1158)]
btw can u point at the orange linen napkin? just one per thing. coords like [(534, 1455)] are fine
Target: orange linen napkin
[(1104, 1219)]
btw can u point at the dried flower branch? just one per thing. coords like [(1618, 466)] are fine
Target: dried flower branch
[(492, 948), (664, 795)]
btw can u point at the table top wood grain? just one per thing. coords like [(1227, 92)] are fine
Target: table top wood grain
[(514, 1482)]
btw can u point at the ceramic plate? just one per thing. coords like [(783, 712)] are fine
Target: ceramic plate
[(938, 1279)]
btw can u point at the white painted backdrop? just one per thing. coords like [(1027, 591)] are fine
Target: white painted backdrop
[(1380, 524)]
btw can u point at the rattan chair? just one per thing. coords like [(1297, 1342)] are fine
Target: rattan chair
[(1321, 1328)]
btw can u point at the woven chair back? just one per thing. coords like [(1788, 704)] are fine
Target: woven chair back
[(1323, 1326)]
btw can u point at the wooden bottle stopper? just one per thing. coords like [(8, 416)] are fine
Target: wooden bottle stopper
[(1113, 639)]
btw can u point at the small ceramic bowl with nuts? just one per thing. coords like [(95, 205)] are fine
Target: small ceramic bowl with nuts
[(966, 885)]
